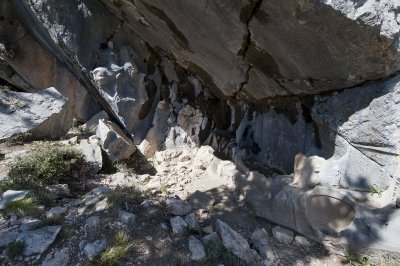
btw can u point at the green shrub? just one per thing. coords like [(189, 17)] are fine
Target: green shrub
[(26, 206), (47, 164), (15, 249)]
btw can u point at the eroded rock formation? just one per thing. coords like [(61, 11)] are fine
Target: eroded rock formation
[(259, 81)]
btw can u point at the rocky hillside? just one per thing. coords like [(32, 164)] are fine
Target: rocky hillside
[(294, 106)]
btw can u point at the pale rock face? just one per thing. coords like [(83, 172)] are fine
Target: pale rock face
[(40, 114)]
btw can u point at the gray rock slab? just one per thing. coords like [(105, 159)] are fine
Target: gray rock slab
[(92, 155), (58, 258), (178, 225), (196, 249), (236, 243), (93, 249), (56, 212), (37, 113), (283, 235), (126, 217), (259, 240), (39, 240), (177, 206)]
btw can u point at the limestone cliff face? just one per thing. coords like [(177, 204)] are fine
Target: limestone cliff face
[(258, 80)]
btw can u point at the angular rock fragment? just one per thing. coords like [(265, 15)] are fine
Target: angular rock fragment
[(283, 235), (192, 222), (39, 240), (92, 154), (113, 141), (196, 249), (259, 239), (93, 249), (93, 122), (177, 206), (56, 212), (236, 243), (126, 217), (178, 225)]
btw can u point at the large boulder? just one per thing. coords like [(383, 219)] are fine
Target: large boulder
[(41, 114), (114, 141)]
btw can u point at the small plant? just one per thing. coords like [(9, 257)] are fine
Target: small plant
[(374, 189), (67, 231), (357, 259), (218, 254), (124, 197), (47, 164), (15, 249), (121, 246), (26, 206)]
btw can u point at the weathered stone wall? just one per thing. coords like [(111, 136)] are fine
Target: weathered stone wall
[(259, 81)]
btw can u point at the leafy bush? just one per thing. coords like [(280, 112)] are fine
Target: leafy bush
[(47, 164)]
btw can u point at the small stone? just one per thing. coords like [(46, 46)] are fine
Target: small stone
[(92, 155), (92, 223), (56, 213), (178, 225), (283, 235), (91, 200), (93, 249), (148, 203), (58, 191), (101, 205), (302, 240), (196, 249), (177, 206), (236, 243), (126, 217), (213, 237), (208, 229), (39, 240), (149, 238), (31, 225), (100, 190), (59, 258), (11, 196), (192, 223), (164, 226), (259, 239)]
